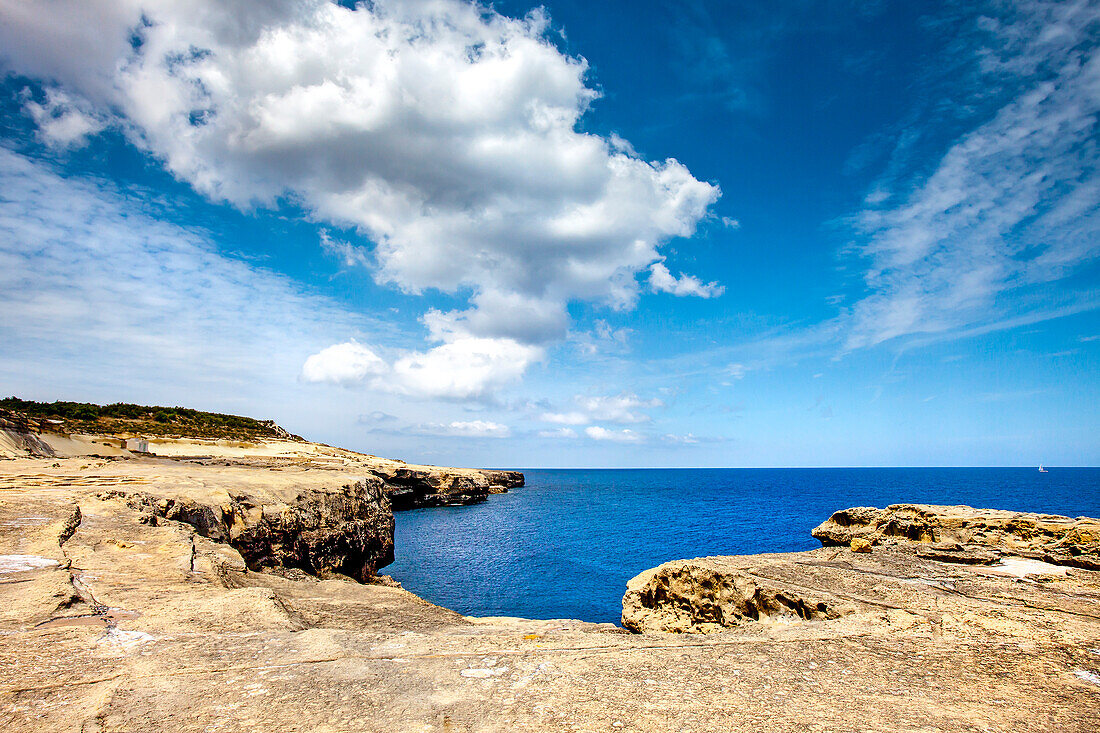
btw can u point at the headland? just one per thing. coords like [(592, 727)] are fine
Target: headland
[(165, 581)]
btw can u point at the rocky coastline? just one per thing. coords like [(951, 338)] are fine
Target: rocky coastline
[(893, 565), (210, 586)]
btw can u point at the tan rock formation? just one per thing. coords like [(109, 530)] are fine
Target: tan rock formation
[(973, 535), (708, 594), (318, 521), (926, 559), (412, 487)]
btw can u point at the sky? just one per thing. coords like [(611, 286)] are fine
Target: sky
[(575, 234)]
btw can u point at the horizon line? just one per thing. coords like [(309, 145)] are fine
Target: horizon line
[(763, 468)]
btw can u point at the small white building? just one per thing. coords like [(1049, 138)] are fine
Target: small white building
[(137, 445)]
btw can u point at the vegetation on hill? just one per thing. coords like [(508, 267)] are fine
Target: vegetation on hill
[(121, 417)]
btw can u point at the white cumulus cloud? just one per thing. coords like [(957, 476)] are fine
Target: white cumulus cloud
[(63, 122), (465, 368), (663, 281), (443, 131), (346, 363)]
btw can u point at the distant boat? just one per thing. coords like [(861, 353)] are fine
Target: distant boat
[(1042, 470)]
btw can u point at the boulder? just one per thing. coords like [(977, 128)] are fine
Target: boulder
[(860, 544)]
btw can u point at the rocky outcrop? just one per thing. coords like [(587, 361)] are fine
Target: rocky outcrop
[(708, 594), (886, 566), (20, 423), (968, 535), (506, 479), (346, 530), (415, 488), (19, 436)]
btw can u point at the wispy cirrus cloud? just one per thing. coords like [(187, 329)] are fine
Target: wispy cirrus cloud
[(559, 433), (95, 283), (624, 408), (346, 253), (1011, 204), (475, 429), (626, 435), (453, 429)]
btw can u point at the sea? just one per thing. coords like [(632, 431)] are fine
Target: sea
[(565, 545)]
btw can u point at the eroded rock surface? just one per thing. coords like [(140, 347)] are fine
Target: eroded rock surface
[(344, 528), (110, 622), (911, 560), (968, 535), (318, 521), (707, 594), (19, 435)]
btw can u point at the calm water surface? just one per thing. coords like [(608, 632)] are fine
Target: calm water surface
[(564, 545)]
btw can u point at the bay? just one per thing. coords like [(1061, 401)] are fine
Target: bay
[(564, 545)]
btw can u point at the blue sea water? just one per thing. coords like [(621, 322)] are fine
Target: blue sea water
[(565, 545)]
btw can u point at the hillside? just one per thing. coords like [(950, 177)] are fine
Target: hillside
[(149, 420)]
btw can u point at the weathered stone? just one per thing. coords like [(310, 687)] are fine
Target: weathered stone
[(954, 552), (128, 626), (918, 545), (845, 592), (347, 529), (414, 488), (707, 594), (860, 544), (1055, 539), (507, 479)]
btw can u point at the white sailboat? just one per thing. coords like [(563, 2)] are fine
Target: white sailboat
[(1042, 470)]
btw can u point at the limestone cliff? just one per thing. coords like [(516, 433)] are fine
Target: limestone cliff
[(411, 488), (334, 527), (319, 509)]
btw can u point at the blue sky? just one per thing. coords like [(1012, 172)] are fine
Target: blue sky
[(572, 234)]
